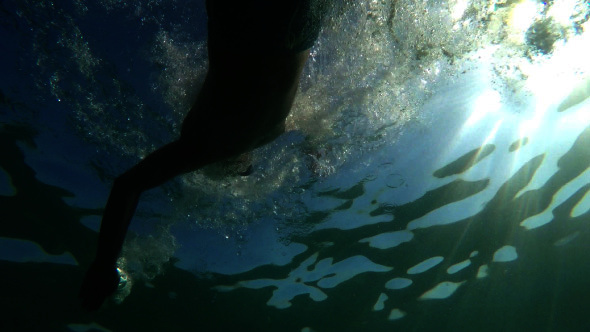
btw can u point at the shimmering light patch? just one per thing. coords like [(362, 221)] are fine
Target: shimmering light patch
[(87, 327), (285, 292), (391, 99), (577, 95), (449, 213), (492, 134), (473, 254), (458, 267), (577, 119), (582, 206), (537, 220), (505, 254), (488, 102), (398, 283), (459, 8), (567, 239), (345, 270), (521, 18), (22, 251), (347, 220), (316, 202), (561, 196), (396, 314), (6, 188), (562, 136), (380, 304), (425, 265), (441, 291), (326, 274), (562, 78), (388, 240), (562, 10), (482, 272), (531, 126)]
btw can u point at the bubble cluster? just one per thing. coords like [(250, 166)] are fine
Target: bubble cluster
[(182, 67), (144, 257), (531, 33), (370, 71), (372, 68)]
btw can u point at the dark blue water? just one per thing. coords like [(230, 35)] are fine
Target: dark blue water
[(433, 178)]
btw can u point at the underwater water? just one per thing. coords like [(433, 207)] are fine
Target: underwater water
[(435, 175)]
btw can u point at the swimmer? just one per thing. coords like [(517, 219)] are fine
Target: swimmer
[(257, 50)]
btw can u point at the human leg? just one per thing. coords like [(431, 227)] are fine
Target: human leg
[(160, 166)]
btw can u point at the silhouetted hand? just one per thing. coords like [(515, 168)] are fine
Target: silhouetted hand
[(100, 282)]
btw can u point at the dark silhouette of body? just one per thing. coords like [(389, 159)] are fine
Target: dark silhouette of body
[(243, 103)]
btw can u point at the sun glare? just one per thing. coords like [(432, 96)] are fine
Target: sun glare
[(459, 9), (561, 11), (522, 17), (488, 102), (552, 79)]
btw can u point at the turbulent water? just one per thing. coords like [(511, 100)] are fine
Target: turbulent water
[(434, 175)]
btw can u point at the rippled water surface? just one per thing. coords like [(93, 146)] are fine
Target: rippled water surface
[(435, 174)]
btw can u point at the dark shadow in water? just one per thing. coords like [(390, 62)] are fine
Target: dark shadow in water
[(37, 211), (465, 162), (518, 144), (43, 296)]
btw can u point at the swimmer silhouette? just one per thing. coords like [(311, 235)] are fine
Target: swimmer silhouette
[(256, 56)]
